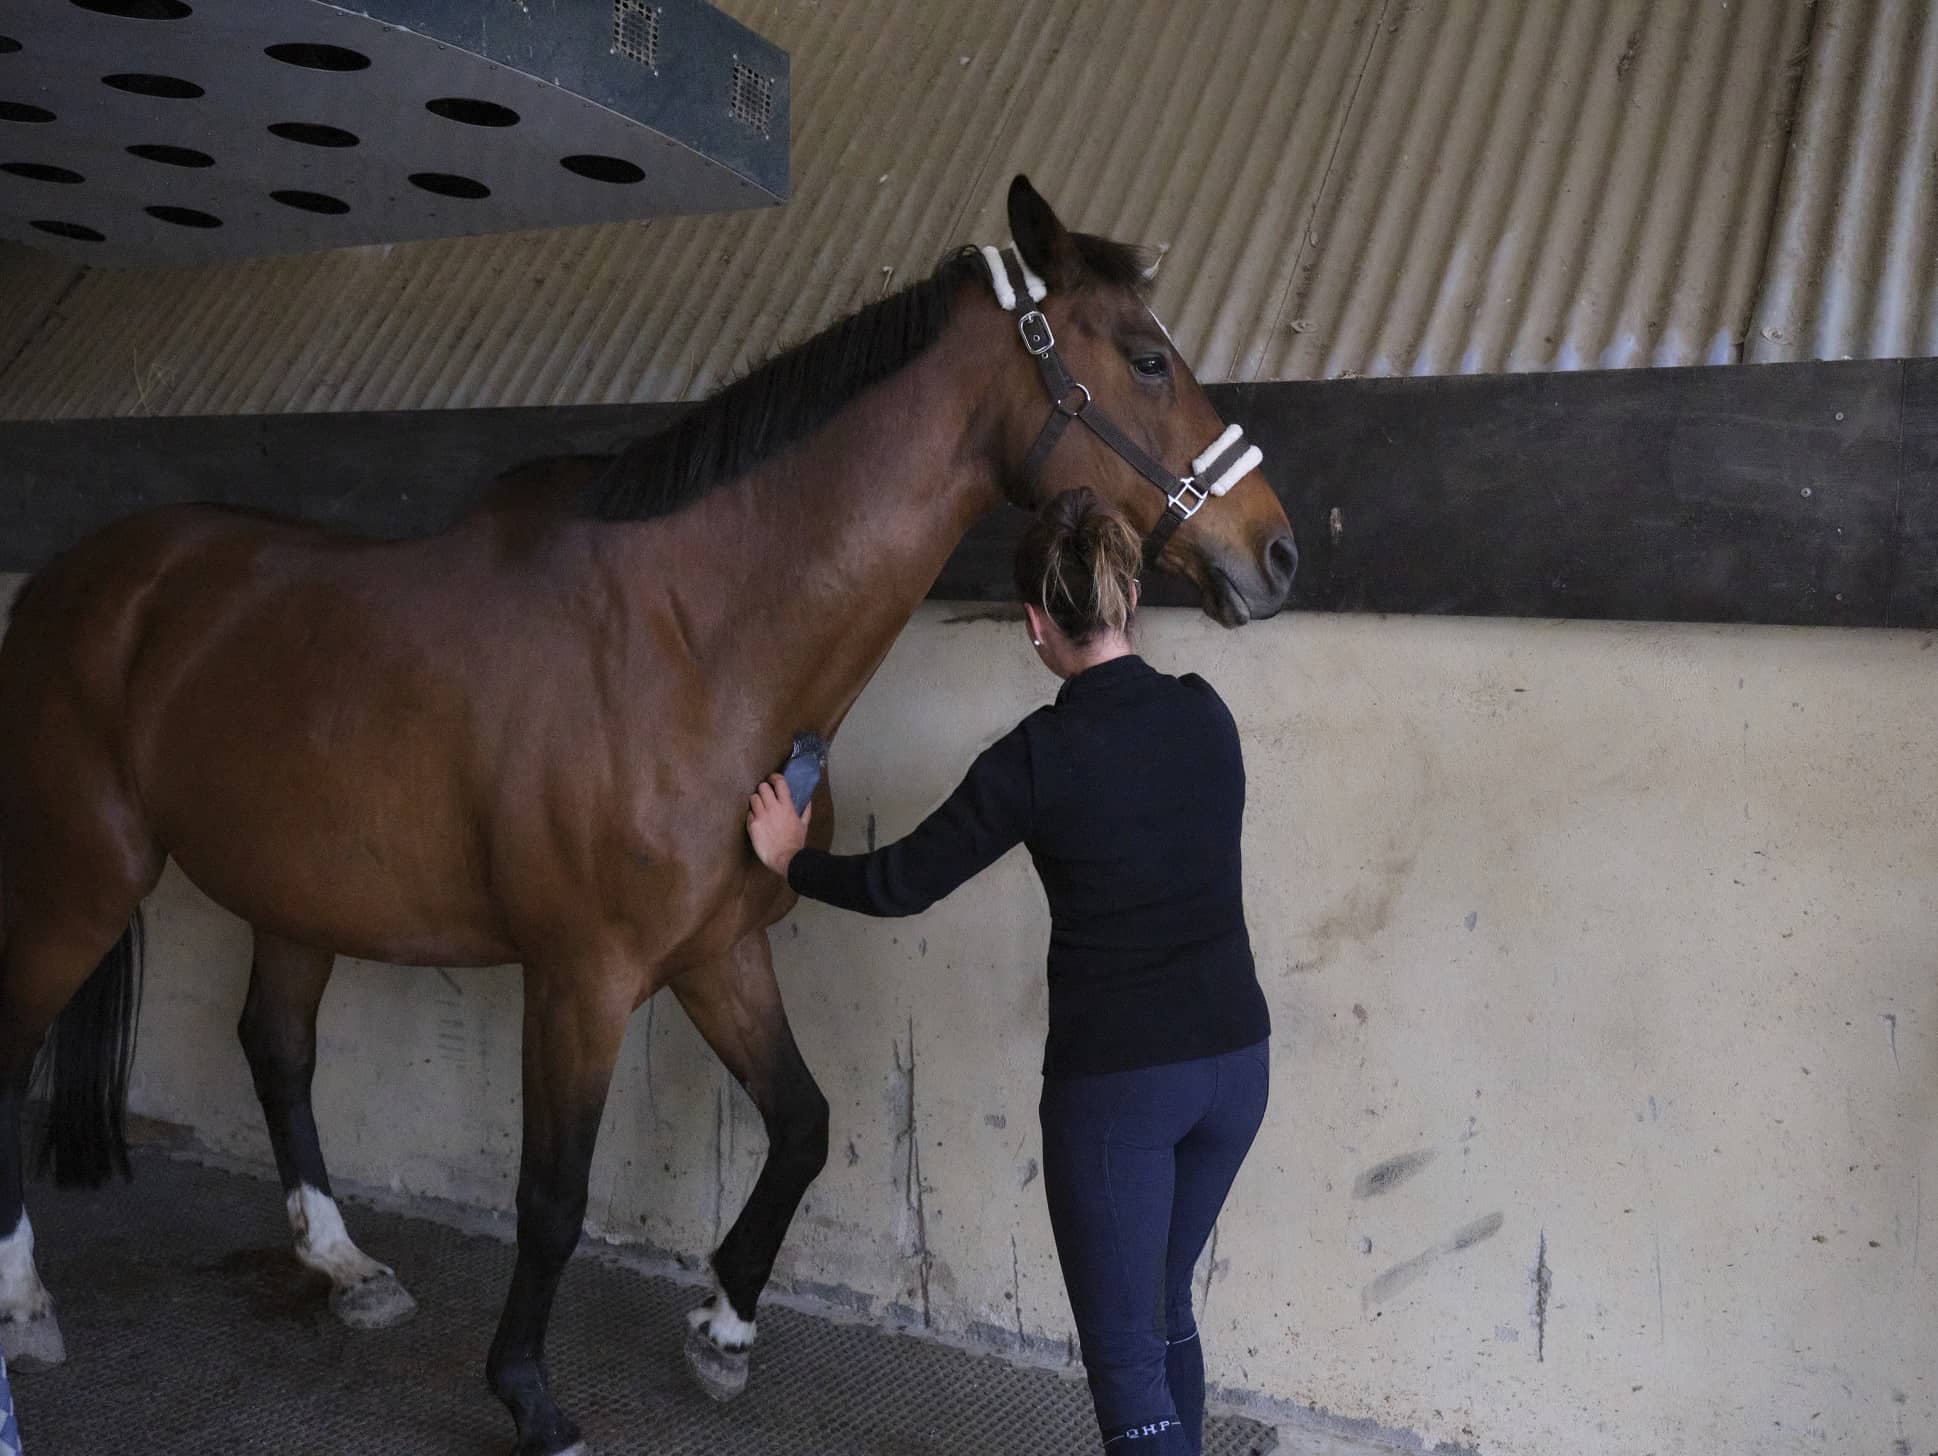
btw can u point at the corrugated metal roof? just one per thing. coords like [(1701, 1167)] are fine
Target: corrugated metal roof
[(1853, 265), (1346, 186), (1547, 186), (1203, 128), (896, 110)]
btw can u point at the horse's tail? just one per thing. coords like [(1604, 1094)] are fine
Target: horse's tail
[(84, 1067)]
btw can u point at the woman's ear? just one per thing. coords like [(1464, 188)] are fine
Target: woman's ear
[(1034, 616), (1137, 592)]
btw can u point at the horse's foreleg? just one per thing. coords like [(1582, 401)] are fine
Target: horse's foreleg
[(736, 1004), (575, 1018), (278, 1033)]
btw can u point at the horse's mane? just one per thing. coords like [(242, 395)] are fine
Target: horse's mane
[(802, 388)]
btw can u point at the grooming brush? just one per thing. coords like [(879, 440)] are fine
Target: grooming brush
[(807, 761)]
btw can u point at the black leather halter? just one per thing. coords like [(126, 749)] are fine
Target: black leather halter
[(1019, 290)]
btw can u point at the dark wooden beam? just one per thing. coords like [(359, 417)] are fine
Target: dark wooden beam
[(1790, 493), (388, 474), (1914, 540), (1746, 494)]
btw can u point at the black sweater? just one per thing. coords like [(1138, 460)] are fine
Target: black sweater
[(1129, 792)]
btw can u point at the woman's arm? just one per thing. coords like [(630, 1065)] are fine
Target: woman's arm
[(987, 815)]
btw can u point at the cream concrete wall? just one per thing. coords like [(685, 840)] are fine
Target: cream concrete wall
[(1604, 962)]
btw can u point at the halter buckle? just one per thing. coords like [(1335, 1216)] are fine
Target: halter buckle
[(1188, 486), (1035, 330)]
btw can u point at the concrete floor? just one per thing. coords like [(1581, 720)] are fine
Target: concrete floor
[(191, 1329)]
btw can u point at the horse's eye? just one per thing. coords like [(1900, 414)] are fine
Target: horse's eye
[(1151, 366)]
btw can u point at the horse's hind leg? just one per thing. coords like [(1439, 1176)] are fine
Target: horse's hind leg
[(43, 967), (278, 1033), (736, 1004), (30, 1336)]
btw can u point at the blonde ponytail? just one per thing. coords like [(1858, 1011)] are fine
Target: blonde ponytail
[(1078, 562)]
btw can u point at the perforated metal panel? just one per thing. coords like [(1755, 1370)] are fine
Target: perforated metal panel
[(187, 131)]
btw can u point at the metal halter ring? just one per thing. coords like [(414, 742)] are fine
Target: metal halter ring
[(1073, 413)]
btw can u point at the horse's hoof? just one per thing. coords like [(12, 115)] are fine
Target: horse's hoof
[(374, 1304), (562, 1440), (722, 1374), (575, 1448), (32, 1344)]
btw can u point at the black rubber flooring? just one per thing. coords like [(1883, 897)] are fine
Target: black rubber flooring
[(191, 1329)]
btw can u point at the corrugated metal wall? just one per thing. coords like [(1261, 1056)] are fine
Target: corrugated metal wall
[(1547, 186), (1853, 265), (1345, 186)]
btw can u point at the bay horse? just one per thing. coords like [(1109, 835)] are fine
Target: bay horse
[(531, 739)]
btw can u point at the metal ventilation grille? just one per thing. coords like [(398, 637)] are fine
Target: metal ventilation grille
[(635, 31), (750, 98)]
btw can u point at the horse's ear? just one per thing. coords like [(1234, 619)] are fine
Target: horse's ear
[(1044, 242)]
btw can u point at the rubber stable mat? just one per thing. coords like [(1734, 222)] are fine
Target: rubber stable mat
[(191, 1328)]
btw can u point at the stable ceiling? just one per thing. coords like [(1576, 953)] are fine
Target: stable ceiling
[(191, 131)]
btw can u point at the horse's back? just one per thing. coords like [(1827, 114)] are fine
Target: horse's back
[(283, 703), (105, 579), (75, 626), (404, 750)]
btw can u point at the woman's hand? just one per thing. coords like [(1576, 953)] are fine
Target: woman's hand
[(778, 833)]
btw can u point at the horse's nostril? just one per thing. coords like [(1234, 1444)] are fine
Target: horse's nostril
[(1283, 555)]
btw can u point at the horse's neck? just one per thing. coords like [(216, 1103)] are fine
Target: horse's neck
[(824, 552)]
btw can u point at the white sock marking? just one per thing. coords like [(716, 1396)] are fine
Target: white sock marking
[(725, 1328), (22, 1295), (322, 1242)]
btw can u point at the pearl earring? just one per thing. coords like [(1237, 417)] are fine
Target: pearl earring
[(1036, 641)]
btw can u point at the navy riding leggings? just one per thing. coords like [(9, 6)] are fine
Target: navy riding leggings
[(1136, 1166)]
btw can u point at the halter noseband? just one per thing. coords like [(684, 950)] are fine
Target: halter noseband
[(1222, 465)]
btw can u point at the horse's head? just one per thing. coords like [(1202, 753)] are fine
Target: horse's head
[(1123, 392)]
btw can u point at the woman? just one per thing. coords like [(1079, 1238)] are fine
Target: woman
[(1129, 791), (9, 1428)]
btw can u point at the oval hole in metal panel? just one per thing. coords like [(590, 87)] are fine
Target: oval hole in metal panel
[(315, 57), (471, 111), (144, 83), (449, 184), (616, 170), (73, 231), (171, 156), (317, 202)]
